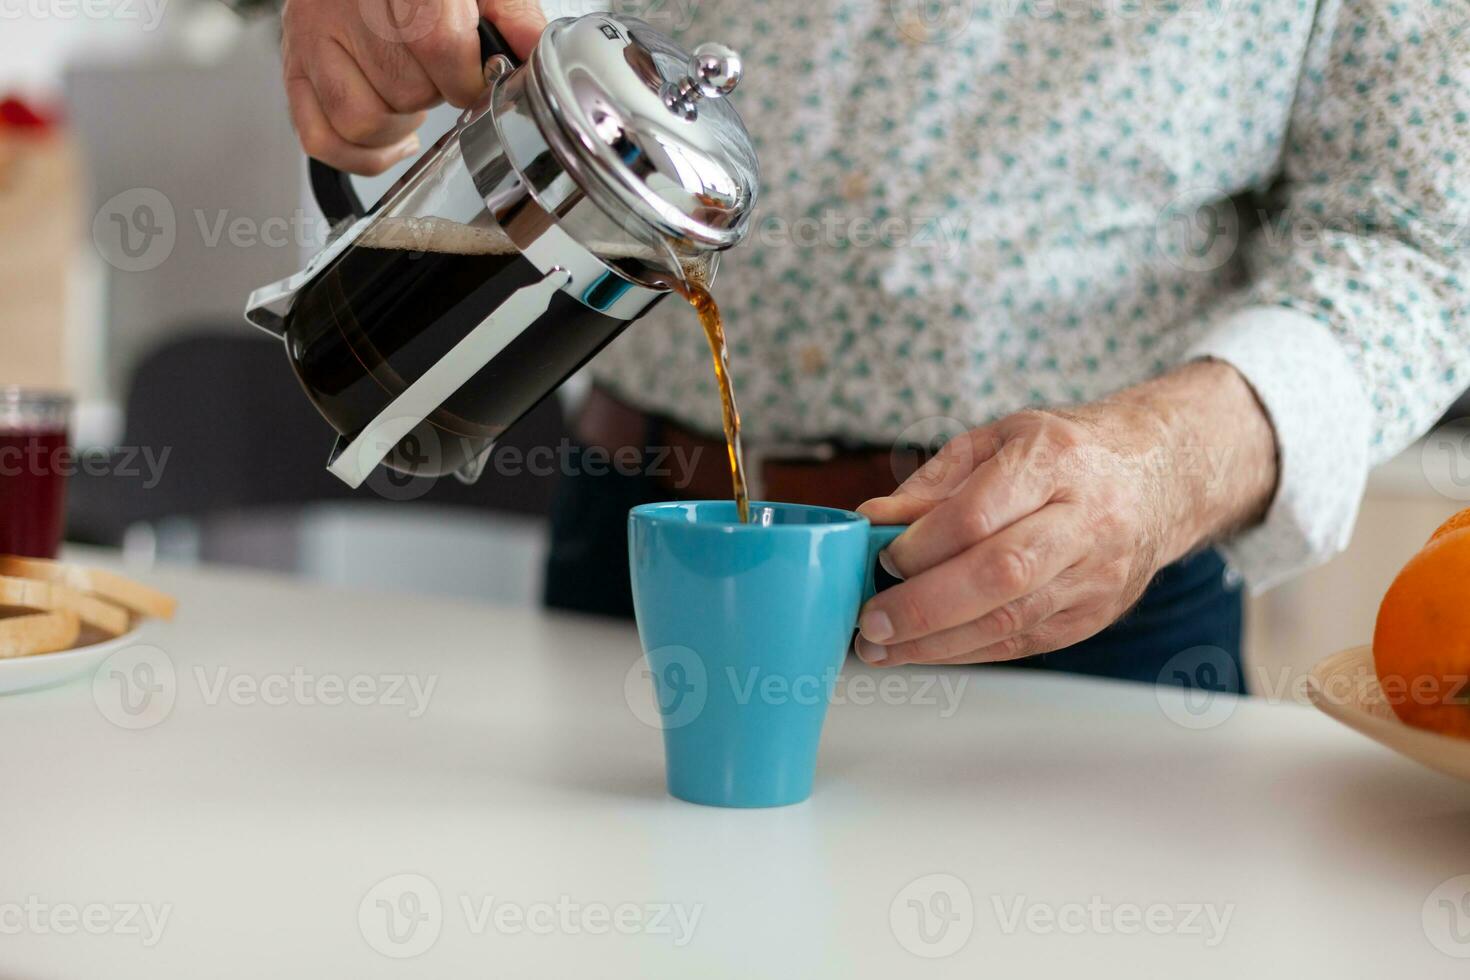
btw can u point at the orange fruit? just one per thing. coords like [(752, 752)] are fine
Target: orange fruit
[(1421, 642), (1462, 519)]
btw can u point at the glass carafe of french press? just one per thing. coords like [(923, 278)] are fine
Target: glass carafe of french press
[(556, 211)]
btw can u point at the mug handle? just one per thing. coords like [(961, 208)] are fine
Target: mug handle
[(333, 189), (880, 536)]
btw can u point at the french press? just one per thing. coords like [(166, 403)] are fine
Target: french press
[(561, 207)]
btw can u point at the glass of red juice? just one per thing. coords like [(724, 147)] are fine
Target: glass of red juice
[(34, 460)]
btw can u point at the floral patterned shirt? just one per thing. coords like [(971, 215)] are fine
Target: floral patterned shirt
[(975, 206)]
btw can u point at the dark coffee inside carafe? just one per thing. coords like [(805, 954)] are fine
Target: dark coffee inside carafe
[(399, 298)]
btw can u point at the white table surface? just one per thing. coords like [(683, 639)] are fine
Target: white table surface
[(1067, 811)]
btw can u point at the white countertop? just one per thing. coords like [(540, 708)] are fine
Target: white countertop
[(1046, 826)]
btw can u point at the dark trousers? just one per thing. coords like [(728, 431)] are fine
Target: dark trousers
[(1184, 632)]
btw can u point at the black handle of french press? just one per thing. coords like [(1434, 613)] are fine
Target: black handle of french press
[(333, 188), (492, 42)]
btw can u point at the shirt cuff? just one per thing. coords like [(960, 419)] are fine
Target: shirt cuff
[(1322, 420)]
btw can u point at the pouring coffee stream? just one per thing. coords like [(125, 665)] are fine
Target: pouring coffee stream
[(582, 188), (714, 332)]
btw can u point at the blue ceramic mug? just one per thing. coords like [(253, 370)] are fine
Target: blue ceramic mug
[(745, 627)]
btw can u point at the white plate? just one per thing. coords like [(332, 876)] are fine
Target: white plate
[(40, 670), (1346, 687)]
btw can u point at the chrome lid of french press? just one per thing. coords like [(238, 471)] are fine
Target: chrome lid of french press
[(647, 128)]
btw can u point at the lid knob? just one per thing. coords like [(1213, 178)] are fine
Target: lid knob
[(714, 71)]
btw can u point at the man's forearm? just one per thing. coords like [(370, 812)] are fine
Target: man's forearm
[(1215, 463)]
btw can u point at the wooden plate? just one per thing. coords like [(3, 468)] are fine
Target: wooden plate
[(1345, 686)]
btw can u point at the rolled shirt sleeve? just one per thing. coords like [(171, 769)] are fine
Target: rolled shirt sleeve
[(1323, 423), (1355, 327)]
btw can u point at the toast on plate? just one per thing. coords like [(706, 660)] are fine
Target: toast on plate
[(38, 632), (34, 595), (110, 587)]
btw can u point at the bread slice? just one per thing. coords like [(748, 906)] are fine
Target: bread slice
[(42, 632), (33, 595), (133, 596)]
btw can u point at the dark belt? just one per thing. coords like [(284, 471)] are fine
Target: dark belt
[(823, 473)]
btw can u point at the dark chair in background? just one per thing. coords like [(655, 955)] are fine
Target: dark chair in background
[(240, 433), (244, 481)]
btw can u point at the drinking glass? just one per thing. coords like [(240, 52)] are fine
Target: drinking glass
[(33, 466)]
